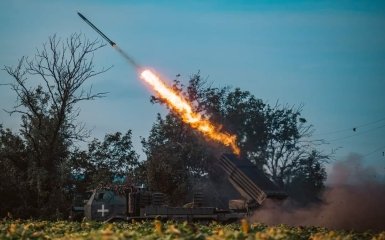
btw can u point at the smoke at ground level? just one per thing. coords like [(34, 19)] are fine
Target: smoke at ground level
[(354, 200)]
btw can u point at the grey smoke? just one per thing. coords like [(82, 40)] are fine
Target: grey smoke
[(129, 59), (353, 200)]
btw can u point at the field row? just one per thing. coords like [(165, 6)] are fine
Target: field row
[(19, 229)]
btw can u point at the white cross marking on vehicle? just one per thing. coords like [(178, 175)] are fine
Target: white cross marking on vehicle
[(103, 210)]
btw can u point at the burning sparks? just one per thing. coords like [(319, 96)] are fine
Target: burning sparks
[(183, 108)]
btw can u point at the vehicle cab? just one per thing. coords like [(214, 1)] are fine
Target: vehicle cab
[(104, 204)]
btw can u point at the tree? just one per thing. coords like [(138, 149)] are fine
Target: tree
[(48, 89), (305, 183), (175, 158), (112, 160), (14, 190), (276, 138)]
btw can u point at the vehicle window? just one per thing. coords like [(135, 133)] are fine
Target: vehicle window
[(104, 196), (108, 196)]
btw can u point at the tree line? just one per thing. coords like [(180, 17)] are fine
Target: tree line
[(44, 167)]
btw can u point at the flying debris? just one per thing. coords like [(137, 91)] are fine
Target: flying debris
[(97, 30)]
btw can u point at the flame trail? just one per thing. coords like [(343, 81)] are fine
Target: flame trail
[(183, 108), (175, 102)]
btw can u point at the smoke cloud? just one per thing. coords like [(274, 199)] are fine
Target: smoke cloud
[(353, 200)]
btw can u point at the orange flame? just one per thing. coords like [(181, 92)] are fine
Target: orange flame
[(183, 108)]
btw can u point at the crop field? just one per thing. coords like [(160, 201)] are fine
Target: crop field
[(18, 229)]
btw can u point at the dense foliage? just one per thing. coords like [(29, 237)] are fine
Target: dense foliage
[(275, 138), (105, 162), (170, 230)]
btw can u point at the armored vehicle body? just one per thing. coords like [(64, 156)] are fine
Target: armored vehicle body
[(137, 202)]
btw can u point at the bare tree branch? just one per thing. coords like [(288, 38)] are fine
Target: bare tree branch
[(48, 87)]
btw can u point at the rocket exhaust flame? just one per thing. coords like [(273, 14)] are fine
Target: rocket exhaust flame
[(174, 101), (184, 110)]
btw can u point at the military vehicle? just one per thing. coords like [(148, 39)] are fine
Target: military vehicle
[(137, 202)]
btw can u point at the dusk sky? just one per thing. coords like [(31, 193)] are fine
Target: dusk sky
[(327, 55)]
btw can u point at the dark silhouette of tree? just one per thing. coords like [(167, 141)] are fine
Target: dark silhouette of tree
[(112, 160), (275, 138), (48, 87), (175, 158), (305, 183), (14, 187)]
